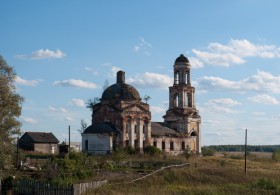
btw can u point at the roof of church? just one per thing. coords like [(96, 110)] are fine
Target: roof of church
[(120, 90), (99, 128), (160, 128), (181, 58)]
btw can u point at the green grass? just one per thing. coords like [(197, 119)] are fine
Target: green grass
[(206, 175)]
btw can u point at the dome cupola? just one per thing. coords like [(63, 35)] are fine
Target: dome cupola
[(182, 59), (120, 90)]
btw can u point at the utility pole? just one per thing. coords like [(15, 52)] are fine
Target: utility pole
[(17, 152), (246, 152), (69, 140)]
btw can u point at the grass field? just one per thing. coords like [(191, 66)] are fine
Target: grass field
[(219, 174)]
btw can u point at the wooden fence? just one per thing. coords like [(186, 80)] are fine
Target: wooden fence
[(32, 187)]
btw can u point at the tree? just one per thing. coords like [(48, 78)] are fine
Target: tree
[(146, 98), (106, 85), (83, 126), (92, 102), (10, 110)]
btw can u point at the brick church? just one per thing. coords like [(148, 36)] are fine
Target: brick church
[(121, 118)]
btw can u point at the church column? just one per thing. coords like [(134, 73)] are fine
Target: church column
[(124, 133), (181, 99), (188, 78), (171, 99), (149, 132), (198, 138), (131, 139), (140, 133), (193, 98), (184, 77)]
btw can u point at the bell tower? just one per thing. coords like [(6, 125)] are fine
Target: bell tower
[(182, 114)]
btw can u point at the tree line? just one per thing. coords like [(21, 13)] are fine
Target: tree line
[(240, 148)]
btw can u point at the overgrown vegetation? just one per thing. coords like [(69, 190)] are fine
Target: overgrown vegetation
[(152, 150), (206, 175), (222, 173), (71, 168), (207, 151)]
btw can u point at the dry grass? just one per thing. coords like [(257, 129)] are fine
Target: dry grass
[(206, 175)]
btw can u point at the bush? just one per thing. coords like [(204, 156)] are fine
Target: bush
[(276, 155), (187, 153), (151, 150), (266, 184), (73, 167), (207, 151)]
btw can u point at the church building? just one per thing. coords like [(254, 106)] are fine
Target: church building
[(121, 118)]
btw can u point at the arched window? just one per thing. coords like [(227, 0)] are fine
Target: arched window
[(194, 133), (176, 101), (176, 78)]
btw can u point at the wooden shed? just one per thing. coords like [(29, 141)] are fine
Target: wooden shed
[(39, 142)]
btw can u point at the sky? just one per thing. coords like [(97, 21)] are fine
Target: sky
[(65, 51)]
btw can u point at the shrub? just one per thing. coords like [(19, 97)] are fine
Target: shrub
[(266, 184), (74, 166), (187, 153), (151, 150), (207, 151), (276, 155)]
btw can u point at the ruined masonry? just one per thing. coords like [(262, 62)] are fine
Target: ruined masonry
[(122, 119)]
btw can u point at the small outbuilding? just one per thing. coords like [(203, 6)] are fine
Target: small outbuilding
[(39, 142), (99, 138)]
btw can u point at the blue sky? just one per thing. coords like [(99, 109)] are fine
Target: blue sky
[(64, 51)]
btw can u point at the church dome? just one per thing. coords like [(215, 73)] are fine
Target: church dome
[(120, 90), (182, 58)]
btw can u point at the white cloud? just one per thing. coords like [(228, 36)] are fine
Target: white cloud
[(29, 120), (69, 119), (21, 81), (91, 70), (61, 109), (211, 122), (151, 80), (76, 83), (157, 110), (222, 105), (142, 46), (195, 62), (143, 42), (225, 102), (136, 48), (218, 59), (78, 102), (235, 52), (43, 54), (264, 99), (113, 71), (258, 113), (261, 82)]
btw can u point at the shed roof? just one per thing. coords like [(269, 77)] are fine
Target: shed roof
[(40, 137)]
